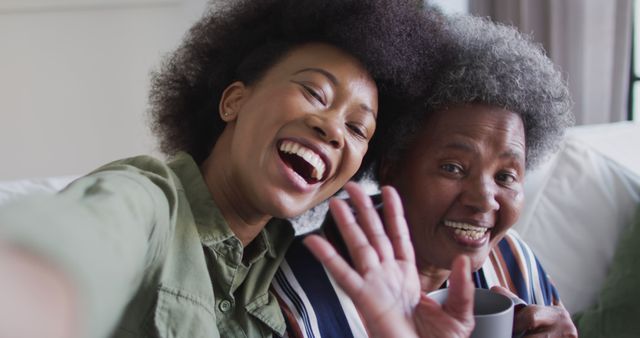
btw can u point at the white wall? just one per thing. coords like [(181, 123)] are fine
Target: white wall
[(451, 6), (74, 78)]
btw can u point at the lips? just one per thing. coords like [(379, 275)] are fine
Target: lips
[(309, 164)]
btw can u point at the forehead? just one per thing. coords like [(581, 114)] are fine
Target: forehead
[(477, 123), (321, 56)]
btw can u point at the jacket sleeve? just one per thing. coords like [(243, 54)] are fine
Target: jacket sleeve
[(104, 231)]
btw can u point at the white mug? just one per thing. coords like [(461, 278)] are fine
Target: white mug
[(493, 313)]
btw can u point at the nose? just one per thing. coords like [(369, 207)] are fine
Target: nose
[(329, 127), (480, 195)]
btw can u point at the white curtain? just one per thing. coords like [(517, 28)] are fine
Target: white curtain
[(590, 40)]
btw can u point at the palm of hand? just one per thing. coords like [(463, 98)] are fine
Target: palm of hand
[(436, 322), (396, 288)]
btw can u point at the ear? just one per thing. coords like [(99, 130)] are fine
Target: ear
[(231, 101)]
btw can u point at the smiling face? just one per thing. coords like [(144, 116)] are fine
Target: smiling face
[(461, 183), (298, 134)]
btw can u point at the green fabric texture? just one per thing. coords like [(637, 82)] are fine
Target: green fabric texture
[(151, 255), (617, 313)]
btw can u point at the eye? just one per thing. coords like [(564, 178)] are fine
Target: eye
[(452, 168), (315, 94), (506, 178), (357, 129)]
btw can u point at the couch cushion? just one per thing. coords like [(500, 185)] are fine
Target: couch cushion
[(617, 312), (577, 205)]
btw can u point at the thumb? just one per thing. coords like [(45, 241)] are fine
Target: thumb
[(459, 303)]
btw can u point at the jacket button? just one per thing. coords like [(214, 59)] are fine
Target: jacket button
[(224, 306)]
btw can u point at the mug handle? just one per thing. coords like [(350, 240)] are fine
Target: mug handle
[(518, 303)]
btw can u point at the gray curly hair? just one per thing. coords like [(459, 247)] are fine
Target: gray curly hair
[(494, 64)]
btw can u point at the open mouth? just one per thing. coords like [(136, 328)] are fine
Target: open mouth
[(304, 161), (467, 230)]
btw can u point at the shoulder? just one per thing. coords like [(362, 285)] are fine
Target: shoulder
[(147, 171), (526, 276), (513, 250), (137, 164), (511, 242)]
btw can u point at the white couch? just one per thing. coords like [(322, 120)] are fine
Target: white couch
[(577, 205)]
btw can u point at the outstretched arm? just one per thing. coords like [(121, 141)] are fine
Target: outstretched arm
[(384, 283), (37, 300)]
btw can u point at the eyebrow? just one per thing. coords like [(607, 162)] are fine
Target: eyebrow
[(368, 110), (335, 82), (511, 153), (327, 74), (460, 146)]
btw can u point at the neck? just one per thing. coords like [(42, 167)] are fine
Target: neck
[(432, 277), (245, 220)]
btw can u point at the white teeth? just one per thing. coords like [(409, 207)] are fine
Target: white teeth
[(307, 154), (466, 230)]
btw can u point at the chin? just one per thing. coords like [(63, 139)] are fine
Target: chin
[(282, 211), (477, 261), (289, 214), (288, 208)]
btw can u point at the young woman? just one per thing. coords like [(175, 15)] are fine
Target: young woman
[(267, 109)]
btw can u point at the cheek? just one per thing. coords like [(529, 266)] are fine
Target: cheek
[(422, 208), (352, 160), (510, 208)]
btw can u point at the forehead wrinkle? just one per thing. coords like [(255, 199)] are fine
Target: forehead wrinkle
[(513, 154), (457, 145)]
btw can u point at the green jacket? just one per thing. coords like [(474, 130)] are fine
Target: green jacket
[(151, 255)]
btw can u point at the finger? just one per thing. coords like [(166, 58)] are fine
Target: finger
[(427, 305), (459, 303), (362, 254), (537, 335), (503, 291), (397, 225), (369, 220), (432, 322), (534, 318), (561, 324), (550, 333), (348, 279)]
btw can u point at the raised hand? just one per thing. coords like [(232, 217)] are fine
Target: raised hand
[(540, 320), (454, 319), (384, 283)]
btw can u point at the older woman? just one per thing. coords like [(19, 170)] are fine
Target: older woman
[(267, 108), (458, 163)]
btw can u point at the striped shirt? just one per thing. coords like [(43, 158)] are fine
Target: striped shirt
[(315, 306)]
